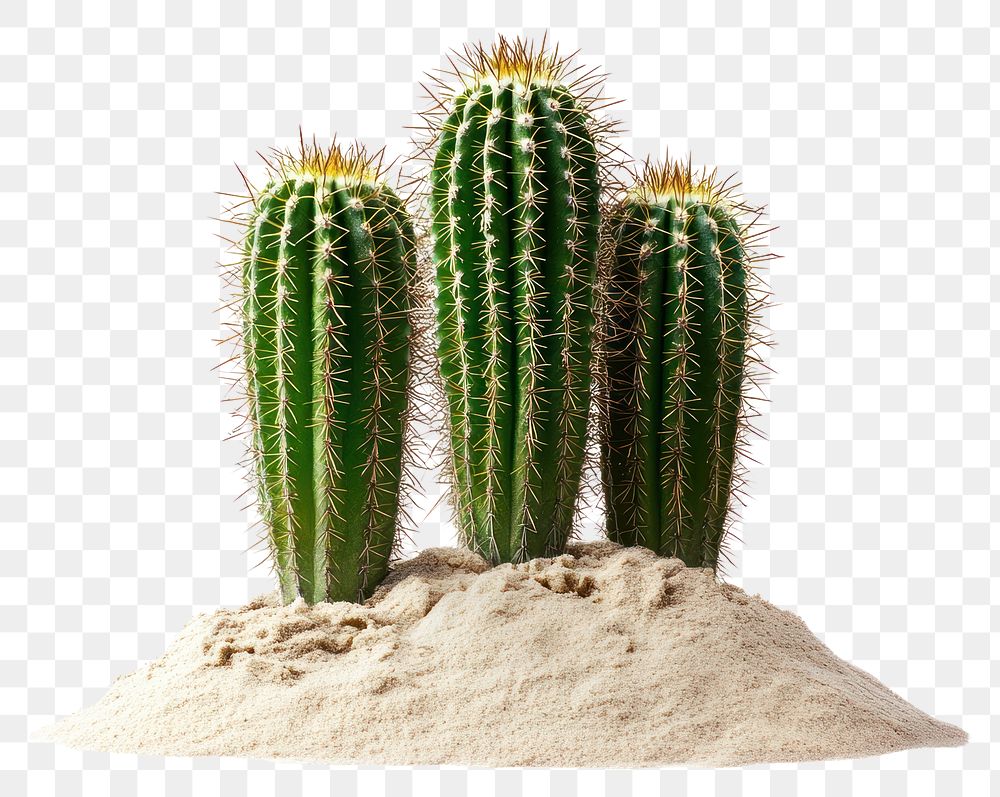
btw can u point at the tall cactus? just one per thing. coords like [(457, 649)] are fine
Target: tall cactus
[(327, 259), (514, 202), (680, 323)]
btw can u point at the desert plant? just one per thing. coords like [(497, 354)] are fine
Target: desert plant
[(516, 156), (680, 304), (327, 258)]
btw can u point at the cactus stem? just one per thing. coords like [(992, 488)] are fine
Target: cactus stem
[(677, 361), (326, 266), (515, 162)]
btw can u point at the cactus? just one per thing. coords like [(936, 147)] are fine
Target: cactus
[(326, 263), (516, 157), (681, 312)]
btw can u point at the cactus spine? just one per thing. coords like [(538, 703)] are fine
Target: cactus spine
[(326, 260), (515, 218), (680, 324)]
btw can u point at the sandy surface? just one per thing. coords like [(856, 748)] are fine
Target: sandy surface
[(602, 657)]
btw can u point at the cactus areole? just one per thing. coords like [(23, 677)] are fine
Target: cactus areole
[(325, 348), (677, 340), (514, 211)]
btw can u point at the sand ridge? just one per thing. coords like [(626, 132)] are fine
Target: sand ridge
[(602, 657)]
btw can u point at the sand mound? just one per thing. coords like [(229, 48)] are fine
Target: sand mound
[(605, 656)]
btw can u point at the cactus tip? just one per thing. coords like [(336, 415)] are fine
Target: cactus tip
[(351, 163), (677, 179)]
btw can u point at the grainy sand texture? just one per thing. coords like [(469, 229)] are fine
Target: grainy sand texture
[(603, 657)]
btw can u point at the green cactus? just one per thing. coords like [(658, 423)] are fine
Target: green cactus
[(514, 202), (680, 310), (326, 264)]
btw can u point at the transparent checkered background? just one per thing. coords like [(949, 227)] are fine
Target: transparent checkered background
[(866, 127)]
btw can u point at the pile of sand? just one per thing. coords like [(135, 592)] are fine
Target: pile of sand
[(605, 656)]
